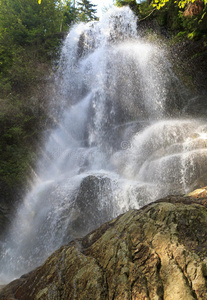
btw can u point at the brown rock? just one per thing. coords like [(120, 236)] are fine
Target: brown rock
[(193, 8), (199, 193), (157, 252)]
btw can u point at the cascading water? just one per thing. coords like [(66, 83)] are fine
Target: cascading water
[(116, 146)]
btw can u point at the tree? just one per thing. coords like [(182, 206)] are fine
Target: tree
[(86, 11), (188, 16), (29, 29), (181, 3), (131, 3)]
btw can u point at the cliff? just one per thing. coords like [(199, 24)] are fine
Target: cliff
[(157, 252)]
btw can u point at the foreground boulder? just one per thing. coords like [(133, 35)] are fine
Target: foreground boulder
[(157, 252)]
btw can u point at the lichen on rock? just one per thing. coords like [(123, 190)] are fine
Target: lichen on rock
[(157, 252)]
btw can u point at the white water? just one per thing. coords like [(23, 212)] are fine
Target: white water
[(119, 143)]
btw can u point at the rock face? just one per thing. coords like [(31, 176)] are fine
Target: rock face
[(93, 205), (9, 196), (4, 218), (193, 8), (157, 252), (199, 193), (191, 58)]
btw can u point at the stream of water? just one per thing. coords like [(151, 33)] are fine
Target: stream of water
[(121, 141)]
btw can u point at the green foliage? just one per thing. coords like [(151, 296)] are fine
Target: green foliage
[(169, 14), (86, 11), (131, 3), (17, 141), (30, 34), (194, 25), (29, 31)]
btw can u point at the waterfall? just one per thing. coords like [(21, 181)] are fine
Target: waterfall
[(121, 141)]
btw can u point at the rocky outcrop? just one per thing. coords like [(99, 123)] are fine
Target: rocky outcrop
[(157, 252), (91, 207), (199, 193), (193, 8)]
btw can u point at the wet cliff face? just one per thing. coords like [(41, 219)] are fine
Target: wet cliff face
[(157, 252), (4, 219), (189, 58)]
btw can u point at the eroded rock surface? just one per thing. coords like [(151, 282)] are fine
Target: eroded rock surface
[(157, 252)]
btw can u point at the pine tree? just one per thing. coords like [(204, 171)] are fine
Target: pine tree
[(87, 11)]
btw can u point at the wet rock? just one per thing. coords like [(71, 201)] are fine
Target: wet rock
[(9, 197), (199, 193), (92, 206), (190, 64), (5, 216), (157, 252), (196, 106), (199, 183)]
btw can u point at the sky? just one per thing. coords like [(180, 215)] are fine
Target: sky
[(101, 4)]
